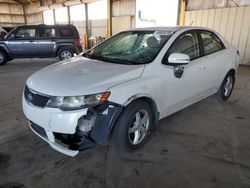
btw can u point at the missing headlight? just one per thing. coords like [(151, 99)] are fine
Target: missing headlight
[(86, 123)]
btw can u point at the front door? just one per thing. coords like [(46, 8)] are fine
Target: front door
[(181, 92), (22, 43)]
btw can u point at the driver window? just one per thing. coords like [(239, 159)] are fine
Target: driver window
[(187, 43), (25, 33)]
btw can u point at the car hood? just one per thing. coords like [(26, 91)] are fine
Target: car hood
[(81, 76)]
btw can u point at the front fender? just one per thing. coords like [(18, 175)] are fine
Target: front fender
[(4, 47), (141, 88)]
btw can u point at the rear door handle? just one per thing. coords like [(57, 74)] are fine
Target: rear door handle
[(31, 41)]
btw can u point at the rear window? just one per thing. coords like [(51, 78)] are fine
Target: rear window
[(211, 43), (47, 32), (66, 32)]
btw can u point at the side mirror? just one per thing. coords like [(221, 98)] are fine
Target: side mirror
[(3, 33), (11, 36), (178, 59)]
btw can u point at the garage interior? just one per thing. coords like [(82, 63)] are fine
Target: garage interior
[(205, 145)]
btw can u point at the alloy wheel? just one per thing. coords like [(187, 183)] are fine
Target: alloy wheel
[(66, 54), (139, 127), (228, 86), (1, 58)]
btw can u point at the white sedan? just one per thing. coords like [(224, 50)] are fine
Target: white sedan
[(125, 85)]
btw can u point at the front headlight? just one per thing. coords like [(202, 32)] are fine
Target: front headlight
[(77, 102)]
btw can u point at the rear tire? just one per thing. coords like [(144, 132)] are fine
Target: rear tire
[(65, 53), (133, 127), (3, 58), (226, 87)]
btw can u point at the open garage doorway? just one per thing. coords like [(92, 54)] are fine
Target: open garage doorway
[(156, 13)]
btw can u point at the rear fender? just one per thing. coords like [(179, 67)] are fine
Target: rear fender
[(66, 45)]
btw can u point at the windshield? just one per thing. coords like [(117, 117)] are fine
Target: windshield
[(131, 47), (12, 31)]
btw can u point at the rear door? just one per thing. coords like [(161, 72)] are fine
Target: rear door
[(67, 36), (46, 42), (22, 43), (215, 59)]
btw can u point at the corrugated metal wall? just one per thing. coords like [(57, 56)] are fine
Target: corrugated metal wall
[(11, 14), (33, 14), (232, 23), (123, 15)]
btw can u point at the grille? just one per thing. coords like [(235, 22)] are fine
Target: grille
[(35, 98), (38, 129)]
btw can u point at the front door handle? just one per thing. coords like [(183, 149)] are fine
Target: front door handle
[(203, 67)]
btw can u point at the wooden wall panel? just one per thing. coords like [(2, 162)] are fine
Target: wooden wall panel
[(204, 18), (217, 19), (198, 18), (187, 18), (193, 18), (244, 32), (121, 23), (237, 26), (211, 14), (232, 23), (224, 21)]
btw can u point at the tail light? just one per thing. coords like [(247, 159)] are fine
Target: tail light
[(78, 41)]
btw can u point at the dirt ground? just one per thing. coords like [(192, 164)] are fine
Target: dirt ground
[(204, 146)]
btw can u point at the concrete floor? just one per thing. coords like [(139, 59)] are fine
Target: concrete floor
[(206, 145)]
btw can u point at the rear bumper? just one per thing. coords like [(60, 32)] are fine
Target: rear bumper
[(80, 49)]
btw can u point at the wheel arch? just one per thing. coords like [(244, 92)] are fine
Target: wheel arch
[(65, 46), (232, 70), (151, 103), (6, 52)]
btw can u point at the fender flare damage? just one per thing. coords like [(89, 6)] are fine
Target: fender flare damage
[(101, 119)]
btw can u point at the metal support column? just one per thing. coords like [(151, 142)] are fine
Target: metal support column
[(24, 15), (69, 19), (54, 16), (181, 12), (109, 18), (86, 36)]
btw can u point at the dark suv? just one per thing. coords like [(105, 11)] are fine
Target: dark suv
[(40, 41)]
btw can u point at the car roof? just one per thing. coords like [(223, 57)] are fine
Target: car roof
[(44, 25), (173, 29)]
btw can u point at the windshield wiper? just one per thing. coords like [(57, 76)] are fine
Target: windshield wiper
[(120, 61), (101, 58)]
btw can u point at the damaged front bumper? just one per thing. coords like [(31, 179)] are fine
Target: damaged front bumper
[(71, 131)]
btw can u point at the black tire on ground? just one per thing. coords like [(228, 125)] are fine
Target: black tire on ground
[(226, 87), (3, 58), (65, 53), (136, 119)]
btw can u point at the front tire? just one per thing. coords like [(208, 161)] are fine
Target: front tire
[(3, 58), (133, 127), (226, 87), (65, 53)]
